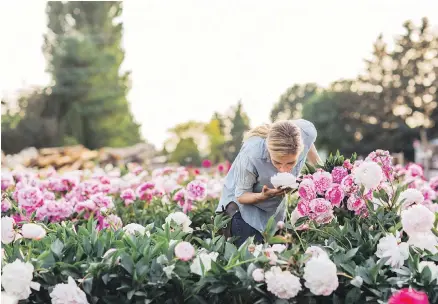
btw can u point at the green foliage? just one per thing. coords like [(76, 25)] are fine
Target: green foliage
[(186, 152)]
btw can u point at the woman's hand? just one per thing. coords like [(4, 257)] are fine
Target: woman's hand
[(270, 193)]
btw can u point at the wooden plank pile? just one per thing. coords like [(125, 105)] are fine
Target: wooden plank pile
[(78, 157)]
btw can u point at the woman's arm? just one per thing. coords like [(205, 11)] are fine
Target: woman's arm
[(253, 198), (313, 157)]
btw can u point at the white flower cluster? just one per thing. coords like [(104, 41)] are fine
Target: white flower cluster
[(281, 283), (369, 174), (181, 220), (418, 222), (320, 273), (68, 293), (17, 279), (284, 180), (391, 247)]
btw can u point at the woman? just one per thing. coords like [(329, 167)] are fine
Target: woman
[(248, 195)]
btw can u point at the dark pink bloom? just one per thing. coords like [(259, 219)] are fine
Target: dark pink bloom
[(335, 195), (409, 296), (338, 173), (307, 190), (206, 163)]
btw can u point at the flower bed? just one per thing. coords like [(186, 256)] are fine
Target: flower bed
[(355, 232)]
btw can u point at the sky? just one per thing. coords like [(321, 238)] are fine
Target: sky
[(189, 58)]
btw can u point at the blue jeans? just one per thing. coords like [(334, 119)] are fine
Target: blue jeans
[(243, 231)]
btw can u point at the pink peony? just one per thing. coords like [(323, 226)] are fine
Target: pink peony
[(325, 218), (179, 196), (30, 199), (196, 190), (7, 180), (434, 183), (320, 206), (184, 251), (338, 173), (54, 211), (303, 207), (348, 184), (355, 203), (335, 195), (348, 165), (414, 170), (112, 221), (206, 163), (128, 196), (409, 296), (221, 168), (102, 201), (323, 180), (6, 204), (307, 190), (187, 206)]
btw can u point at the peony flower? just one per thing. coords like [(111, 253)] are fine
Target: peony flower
[(181, 220), (196, 190), (355, 203), (323, 180), (369, 174), (348, 184), (303, 208), (335, 195), (410, 197), (258, 275), (307, 190), (325, 218), (282, 284), (320, 206), (316, 252), (33, 231), (8, 299), (184, 251), (424, 240), (6, 204), (128, 196), (204, 258), (320, 275), (206, 163), (17, 279), (68, 293), (389, 246), (417, 219), (433, 268), (111, 221), (338, 174), (284, 180), (29, 198), (407, 296), (8, 232), (347, 165), (134, 228)]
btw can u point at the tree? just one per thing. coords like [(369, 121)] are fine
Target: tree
[(216, 140), (291, 103), (186, 153), (239, 125), (84, 54)]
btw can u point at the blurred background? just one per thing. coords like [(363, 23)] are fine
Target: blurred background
[(179, 82)]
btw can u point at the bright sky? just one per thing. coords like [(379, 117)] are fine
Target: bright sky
[(191, 58)]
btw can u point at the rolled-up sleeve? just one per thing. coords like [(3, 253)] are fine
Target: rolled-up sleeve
[(308, 129), (245, 175)]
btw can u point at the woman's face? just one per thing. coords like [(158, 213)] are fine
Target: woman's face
[(284, 163)]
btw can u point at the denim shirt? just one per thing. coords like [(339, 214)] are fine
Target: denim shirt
[(252, 169)]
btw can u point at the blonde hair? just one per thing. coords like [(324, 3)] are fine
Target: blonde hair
[(282, 137)]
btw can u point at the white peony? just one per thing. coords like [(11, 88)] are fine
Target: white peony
[(181, 219), (258, 275), (369, 174), (17, 279), (410, 197), (8, 232), (320, 275), (433, 267), (316, 252), (206, 259), (33, 231), (282, 284), (284, 180), (68, 293), (8, 299), (389, 246), (134, 228), (417, 218), (425, 241)]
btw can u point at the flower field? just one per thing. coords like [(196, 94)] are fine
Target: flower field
[(355, 232)]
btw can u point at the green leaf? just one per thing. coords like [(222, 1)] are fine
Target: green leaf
[(57, 247), (88, 285), (351, 253), (230, 249), (127, 263), (353, 295), (217, 289), (130, 294)]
